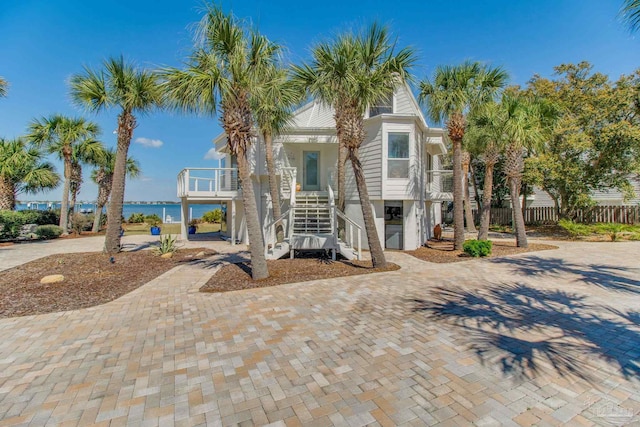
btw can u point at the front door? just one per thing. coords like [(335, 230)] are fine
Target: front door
[(311, 171)]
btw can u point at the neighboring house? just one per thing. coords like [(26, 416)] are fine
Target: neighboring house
[(401, 161)]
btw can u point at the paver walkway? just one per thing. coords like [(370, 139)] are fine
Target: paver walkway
[(548, 338)]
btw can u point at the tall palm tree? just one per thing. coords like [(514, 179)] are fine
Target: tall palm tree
[(350, 73), (272, 106), (4, 85), (102, 175), (224, 72), (630, 13), (486, 139), (22, 170), (73, 140), (525, 128), (451, 93), (134, 92)]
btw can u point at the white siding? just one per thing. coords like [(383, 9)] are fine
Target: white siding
[(314, 115), (353, 211), (403, 103), (410, 230), (371, 159)]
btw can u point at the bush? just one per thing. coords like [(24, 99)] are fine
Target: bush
[(11, 222), (574, 229), (152, 220), (136, 218), (477, 248), (213, 216), (81, 222), (168, 244), (49, 231)]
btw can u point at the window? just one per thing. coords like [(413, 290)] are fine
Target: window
[(398, 155), (383, 106)]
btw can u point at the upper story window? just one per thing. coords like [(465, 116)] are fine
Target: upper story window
[(382, 106), (398, 155)]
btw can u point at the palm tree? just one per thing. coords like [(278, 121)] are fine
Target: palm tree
[(73, 141), (4, 85), (133, 91), (486, 139), (103, 177), (272, 108), (525, 128), (22, 170), (630, 13), (450, 95), (350, 73), (225, 71)]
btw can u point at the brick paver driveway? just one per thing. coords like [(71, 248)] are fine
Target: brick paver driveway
[(549, 338)]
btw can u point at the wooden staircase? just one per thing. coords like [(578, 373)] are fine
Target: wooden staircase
[(312, 226)]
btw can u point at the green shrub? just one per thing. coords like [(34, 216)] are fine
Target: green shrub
[(49, 231), (152, 220), (167, 245), (212, 216), (136, 218), (477, 248), (81, 222), (575, 229), (11, 222)]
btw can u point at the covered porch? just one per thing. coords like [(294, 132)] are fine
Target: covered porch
[(207, 186)]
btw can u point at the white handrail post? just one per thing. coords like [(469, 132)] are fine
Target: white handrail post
[(187, 181), (359, 245)]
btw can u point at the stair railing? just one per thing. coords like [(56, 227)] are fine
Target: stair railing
[(350, 226), (269, 230), (332, 211)]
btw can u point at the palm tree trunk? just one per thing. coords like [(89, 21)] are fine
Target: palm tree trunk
[(377, 254), (97, 217), (273, 185), (485, 218), (514, 190), (64, 202), (468, 213), (342, 158), (458, 205), (259, 268), (126, 124), (7, 194)]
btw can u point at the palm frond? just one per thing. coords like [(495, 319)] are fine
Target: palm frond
[(630, 14)]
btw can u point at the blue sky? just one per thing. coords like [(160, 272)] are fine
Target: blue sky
[(44, 42)]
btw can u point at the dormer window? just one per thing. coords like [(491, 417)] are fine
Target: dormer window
[(383, 106)]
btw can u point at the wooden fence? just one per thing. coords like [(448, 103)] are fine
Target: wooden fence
[(548, 215)]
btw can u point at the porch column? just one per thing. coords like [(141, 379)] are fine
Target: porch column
[(184, 218), (233, 222)]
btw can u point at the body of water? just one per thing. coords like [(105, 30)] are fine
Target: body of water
[(169, 209)]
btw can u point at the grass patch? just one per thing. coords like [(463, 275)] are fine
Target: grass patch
[(615, 232)]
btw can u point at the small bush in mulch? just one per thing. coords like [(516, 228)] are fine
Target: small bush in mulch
[(90, 278), (48, 231), (234, 277), (441, 251), (477, 248)]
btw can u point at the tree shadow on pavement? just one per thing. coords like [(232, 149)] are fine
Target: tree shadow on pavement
[(604, 276), (525, 331)]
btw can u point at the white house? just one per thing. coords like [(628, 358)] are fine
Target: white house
[(401, 161)]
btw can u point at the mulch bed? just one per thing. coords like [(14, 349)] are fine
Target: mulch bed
[(90, 279), (234, 277), (441, 251)]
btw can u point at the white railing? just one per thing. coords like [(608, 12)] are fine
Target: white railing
[(207, 181), (288, 181), (440, 181), (349, 226), (269, 231)]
